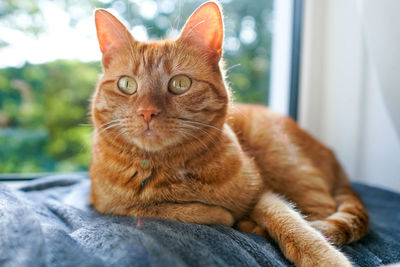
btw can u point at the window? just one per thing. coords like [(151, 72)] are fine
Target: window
[(50, 64)]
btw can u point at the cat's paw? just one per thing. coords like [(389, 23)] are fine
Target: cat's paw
[(250, 226), (325, 257), (219, 215), (330, 231)]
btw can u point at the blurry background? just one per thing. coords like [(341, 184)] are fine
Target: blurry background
[(49, 65)]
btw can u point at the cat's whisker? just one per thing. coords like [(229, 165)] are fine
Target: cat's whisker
[(115, 138), (112, 131), (195, 137), (106, 127), (232, 67), (200, 123), (203, 131), (107, 123), (109, 127)]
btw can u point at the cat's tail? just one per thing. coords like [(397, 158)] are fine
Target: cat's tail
[(350, 222)]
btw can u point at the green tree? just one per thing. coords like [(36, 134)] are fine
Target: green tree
[(44, 108)]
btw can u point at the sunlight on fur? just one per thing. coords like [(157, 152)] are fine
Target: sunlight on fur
[(189, 154)]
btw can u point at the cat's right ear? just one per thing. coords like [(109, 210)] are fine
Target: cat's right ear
[(205, 28), (111, 33)]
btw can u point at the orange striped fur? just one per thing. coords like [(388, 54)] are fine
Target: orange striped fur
[(198, 158)]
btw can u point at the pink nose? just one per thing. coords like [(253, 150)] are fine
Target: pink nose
[(147, 113)]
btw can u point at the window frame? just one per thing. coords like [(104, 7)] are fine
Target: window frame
[(286, 57), (297, 33)]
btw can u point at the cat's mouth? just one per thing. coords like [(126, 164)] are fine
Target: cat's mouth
[(149, 133)]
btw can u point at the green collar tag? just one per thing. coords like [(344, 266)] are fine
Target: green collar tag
[(145, 164)]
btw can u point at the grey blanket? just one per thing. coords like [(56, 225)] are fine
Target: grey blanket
[(49, 223)]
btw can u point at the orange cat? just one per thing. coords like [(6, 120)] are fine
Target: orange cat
[(168, 143)]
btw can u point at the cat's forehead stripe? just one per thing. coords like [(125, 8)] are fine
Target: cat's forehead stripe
[(153, 56)]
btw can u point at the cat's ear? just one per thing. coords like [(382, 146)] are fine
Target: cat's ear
[(205, 27), (111, 33)]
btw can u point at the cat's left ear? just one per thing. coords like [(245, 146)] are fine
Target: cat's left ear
[(111, 33), (205, 27)]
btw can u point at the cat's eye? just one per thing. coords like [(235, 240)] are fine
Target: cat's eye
[(127, 85), (179, 84)]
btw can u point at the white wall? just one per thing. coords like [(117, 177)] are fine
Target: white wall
[(343, 100)]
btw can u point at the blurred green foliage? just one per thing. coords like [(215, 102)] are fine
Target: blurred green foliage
[(44, 108)]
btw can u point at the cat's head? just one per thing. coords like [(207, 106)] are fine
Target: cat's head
[(159, 94)]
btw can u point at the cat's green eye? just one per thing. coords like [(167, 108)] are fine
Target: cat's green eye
[(127, 85), (179, 84)]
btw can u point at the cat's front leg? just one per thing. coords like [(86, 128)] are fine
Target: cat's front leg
[(300, 243), (187, 212)]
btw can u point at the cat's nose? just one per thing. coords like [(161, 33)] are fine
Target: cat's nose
[(148, 113)]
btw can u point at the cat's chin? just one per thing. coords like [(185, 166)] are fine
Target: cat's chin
[(151, 145), (150, 141)]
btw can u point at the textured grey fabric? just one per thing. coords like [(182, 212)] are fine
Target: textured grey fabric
[(49, 223)]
